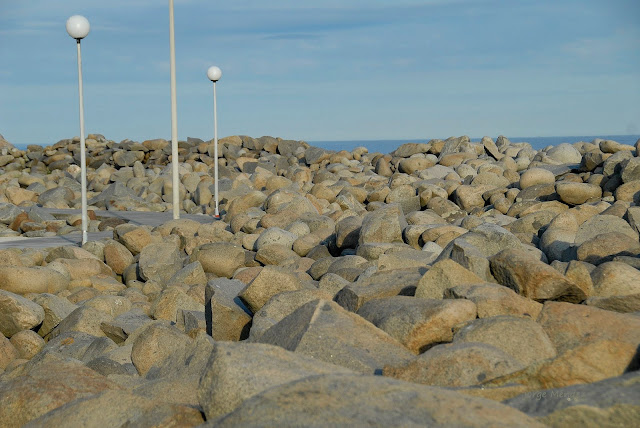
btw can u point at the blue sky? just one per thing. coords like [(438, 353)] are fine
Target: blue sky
[(324, 70)]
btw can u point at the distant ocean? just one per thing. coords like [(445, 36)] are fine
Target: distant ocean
[(387, 146)]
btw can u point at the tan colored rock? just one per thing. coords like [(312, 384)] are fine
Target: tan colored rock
[(382, 284), (580, 274), (154, 343), (604, 247), (418, 323), (84, 268), (28, 343), (84, 319), (603, 223), (219, 258), (570, 326), (470, 197), (456, 365), (615, 279), (227, 318), (529, 277), (443, 275), (117, 256), (323, 330), (171, 301), (629, 192), (535, 176), (442, 235), (373, 396), (494, 299), (18, 313), (591, 362), (120, 408), (8, 352), (23, 280), (270, 281), (522, 338), (239, 371), (276, 255), (577, 193), (282, 305), (159, 261), (38, 387), (111, 305), (135, 239)]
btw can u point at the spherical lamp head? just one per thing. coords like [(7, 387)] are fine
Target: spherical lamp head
[(214, 73), (78, 27)]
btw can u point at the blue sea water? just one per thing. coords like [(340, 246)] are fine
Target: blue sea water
[(387, 146)]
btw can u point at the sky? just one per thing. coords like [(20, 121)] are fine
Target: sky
[(324, 69)]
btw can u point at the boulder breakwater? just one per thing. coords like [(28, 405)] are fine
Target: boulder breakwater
[(447, 283)]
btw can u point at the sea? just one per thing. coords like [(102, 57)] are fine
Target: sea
[(538, 143), (387, 146)]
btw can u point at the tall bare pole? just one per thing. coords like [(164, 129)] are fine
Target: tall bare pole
[(174, 118), (215, 149), (83, 156)]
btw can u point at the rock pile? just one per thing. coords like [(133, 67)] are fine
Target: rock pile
[(448, 283)]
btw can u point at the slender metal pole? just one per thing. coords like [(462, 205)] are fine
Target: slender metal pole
[(174, 118), (215, 149), (83, 163)]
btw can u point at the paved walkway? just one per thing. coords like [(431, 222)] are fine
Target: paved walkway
[(133, 217)]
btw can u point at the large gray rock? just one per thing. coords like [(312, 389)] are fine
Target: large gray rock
[(118, 408), (442, 275), (45, 383), (383, 225), (159, 262), (457, 364), (565, 153), (494, 299), (323, 330), (382, 284), (350, 400), (609, 402), (521, 338), (154, 343), (122, 326), (603, 224), (281, 305), (175, 378), (83, 319), (236, 372), (227, 317)]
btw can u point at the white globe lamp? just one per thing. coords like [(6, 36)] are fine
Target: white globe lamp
[(78, 27), (214, 73)]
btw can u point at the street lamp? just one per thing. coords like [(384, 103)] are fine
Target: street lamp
[(78, 28), (174, 118), (214, 74)]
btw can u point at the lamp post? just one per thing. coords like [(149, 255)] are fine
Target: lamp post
[(174, 118), (214, 74), (78, 28)]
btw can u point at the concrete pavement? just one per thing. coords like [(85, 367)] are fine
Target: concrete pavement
[(132, 217)]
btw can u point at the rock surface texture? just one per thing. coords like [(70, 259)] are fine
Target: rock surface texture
[(448, 283)]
